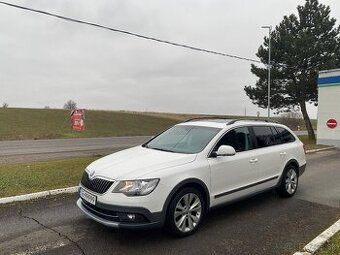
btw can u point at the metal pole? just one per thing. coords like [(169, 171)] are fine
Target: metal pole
[(269, 67)]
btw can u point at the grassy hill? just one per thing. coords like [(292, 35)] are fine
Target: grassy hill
[(20, 123)]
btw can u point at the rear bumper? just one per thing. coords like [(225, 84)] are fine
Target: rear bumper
[(117, 216), (302, 169)]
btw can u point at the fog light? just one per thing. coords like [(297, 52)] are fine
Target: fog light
[(131, 216)]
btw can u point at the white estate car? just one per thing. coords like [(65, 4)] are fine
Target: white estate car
[(175, 178)]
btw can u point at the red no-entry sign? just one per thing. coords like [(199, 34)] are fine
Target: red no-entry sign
[(332, 123)]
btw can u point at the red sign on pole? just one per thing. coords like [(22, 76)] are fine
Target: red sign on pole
[(78, 119), (332, 123)]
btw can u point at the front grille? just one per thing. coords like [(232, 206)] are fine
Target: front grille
[(97, 185)]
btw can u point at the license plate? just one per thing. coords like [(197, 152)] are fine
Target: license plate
[(88, 197)]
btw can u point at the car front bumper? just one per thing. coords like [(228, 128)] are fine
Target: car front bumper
[(118, 216)]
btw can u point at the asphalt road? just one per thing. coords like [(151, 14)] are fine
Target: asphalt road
[(34, 150), (265, 224)]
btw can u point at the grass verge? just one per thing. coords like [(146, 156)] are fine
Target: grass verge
[(310, 144), (332, 247), (24, 178)]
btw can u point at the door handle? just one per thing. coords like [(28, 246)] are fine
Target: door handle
[(283, 154), (253, 161)]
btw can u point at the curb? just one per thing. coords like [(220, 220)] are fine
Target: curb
[(36, 195), (321, 149), (320, 240)]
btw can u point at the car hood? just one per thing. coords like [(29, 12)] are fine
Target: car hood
[(136, 162)]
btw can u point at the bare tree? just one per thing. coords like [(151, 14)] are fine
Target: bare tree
[(293, 119), (70, 105), (47, 107), (5, 105)]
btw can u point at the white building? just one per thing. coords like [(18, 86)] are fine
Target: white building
[(328, 130)]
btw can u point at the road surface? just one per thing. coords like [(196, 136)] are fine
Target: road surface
[(265, 224), (32, 150)]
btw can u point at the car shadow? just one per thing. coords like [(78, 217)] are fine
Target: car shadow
[(217, 229)]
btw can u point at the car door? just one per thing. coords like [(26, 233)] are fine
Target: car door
[(232, 175), (286, 145), (270, 155)]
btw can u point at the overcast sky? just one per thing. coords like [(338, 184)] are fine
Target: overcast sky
[(46, 61)]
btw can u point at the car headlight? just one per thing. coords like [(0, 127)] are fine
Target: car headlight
[(136, 187)]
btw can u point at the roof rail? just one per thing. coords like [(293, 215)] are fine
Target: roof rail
[(209, 118), (230, 121), (245, 119)]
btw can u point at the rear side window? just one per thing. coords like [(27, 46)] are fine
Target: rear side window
[(284, 135), (264, 136), (276, 134)]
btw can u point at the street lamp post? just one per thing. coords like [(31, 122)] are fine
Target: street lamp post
[(269, 64)]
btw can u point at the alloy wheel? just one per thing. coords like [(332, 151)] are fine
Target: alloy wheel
[(291, 181), (188, 212)]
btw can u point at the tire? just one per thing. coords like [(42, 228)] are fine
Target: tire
[(289, 182), (181, 220)]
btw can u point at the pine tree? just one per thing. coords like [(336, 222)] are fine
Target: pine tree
[(301, 45)]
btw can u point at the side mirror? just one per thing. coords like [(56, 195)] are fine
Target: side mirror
[(225, 150)]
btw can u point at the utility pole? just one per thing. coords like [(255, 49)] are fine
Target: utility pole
[(269, 65)]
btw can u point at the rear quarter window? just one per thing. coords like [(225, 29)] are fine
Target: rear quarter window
[(284, 135), (264, 136)]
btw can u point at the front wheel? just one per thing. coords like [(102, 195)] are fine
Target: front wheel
[(289, 183), (185, 212)]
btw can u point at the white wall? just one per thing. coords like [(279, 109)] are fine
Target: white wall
[(328, 108)]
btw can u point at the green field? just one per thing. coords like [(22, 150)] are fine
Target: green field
[(21, 123), (18, 123)]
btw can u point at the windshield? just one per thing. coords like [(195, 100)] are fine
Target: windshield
[(183, 139)]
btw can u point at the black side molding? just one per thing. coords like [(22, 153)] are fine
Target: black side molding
[(245, 187), (302, 169)]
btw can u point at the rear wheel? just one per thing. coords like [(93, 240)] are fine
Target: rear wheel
[(185, 212), (290, 181)]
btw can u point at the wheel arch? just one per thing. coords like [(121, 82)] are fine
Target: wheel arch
[(293, 162), (191, 182)]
